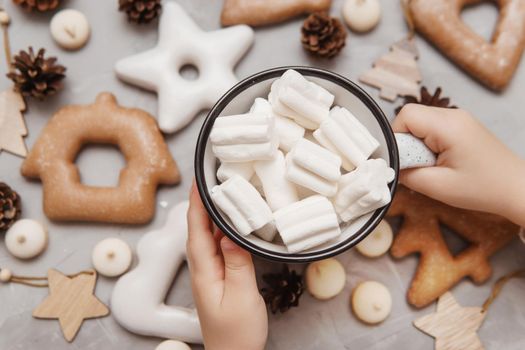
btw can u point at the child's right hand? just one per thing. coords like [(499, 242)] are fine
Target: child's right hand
[(474, 169)]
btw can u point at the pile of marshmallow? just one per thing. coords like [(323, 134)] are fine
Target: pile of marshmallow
[(297, 166)]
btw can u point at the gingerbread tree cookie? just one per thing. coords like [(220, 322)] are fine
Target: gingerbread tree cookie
[(438, 269), (135, 132)]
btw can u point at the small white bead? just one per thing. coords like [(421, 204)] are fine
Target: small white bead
[(5, 275), (4, 18)]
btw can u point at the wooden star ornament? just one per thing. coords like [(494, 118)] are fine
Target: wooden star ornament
[(454, 327), (71, 301)]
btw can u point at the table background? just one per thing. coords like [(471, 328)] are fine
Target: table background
[(315, 324)]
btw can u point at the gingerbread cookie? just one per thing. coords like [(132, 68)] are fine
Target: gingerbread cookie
[(438, 269), (493, 63), (135, 132), (263, 12)]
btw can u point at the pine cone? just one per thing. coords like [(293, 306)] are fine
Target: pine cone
[(323, 35), (36, 76), (10, 206), (283, 291), (427, 99), (140, 11), (40, 5)]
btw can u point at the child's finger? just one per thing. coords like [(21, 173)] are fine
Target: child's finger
[(432, 181), (239, 273), (423, 122), (201, 247)]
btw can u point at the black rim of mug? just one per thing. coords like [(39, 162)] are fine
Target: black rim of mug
[(216, 216)]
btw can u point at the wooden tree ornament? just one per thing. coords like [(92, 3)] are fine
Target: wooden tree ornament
[(396, 73), (438, 269), (12, 125)]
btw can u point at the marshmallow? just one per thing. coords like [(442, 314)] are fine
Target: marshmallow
[(267, 232), (278, 191), (301, 100), (364, 189), (343, 133), (244, 137), (228, 170), (307, 224), (241, 202), (287, 130), (311, 166), (256, 182)]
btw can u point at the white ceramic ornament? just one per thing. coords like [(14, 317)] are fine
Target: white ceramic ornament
[(362, 15), (111, 257), (26, 239), (182, 42), (70, 29), (137, 302)]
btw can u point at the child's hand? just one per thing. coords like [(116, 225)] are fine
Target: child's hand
[(232, 313), (474, 169)]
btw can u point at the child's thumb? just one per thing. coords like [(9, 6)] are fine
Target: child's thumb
[(239, 272)]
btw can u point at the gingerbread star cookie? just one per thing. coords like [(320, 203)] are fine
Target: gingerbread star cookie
[(135, 132), (438, 269)]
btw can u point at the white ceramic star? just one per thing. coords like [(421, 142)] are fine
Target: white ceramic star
[(182, 42), (453, 326)]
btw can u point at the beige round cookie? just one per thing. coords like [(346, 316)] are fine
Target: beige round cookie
[(361, 15), (371, 302), (26, 239), (325, 279), (111, 257), (172, 345), (378, 241), (70, 29)]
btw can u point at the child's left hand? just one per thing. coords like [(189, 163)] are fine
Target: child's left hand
[(232, 313)]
